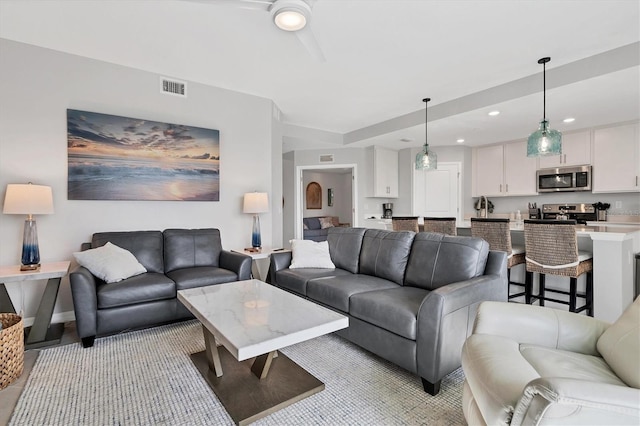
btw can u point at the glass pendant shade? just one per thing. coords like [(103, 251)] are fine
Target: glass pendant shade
[(544, 141), (426, 160)]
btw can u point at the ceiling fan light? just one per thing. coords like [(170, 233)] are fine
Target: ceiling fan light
[(290, 15)]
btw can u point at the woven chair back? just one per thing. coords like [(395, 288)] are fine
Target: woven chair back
[(405, 223), (551, 244), (498, 234), (442, 225)]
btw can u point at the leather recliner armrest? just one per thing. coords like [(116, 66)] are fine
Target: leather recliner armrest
[(563, 400), (540, 326), (236, 262)]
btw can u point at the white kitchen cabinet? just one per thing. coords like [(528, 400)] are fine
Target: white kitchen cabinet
[(384, 172), (616, 159), (504, 170), (488, 170), (576, 151)]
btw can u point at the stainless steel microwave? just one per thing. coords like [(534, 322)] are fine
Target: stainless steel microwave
[(566, 179)]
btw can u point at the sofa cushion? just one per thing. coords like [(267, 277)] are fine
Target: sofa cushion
[(384, 254), (619, 345), (335, 291), (296, 279), (141, 288), (312, 222), (146, 246), (200, 276), (310, 254), (394, 309), (437, 260), (326, 222), (189, 248), (110, 263), (344, 246)]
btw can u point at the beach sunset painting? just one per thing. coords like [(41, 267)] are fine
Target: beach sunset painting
[(120, 158)]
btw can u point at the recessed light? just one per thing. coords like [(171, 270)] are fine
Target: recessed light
[(492, 113), (406, 140), (569, 120), (460, 140)]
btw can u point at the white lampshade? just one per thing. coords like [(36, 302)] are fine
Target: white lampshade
[(255, 202), (28, 199)]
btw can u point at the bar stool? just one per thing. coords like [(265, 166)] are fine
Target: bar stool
[(552, 248), (405, 223), (443, 225), (497, 233)]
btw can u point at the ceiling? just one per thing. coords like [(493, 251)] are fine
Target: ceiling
[(382, 57)]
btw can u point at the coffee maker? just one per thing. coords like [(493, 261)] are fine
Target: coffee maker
[(387, 210)]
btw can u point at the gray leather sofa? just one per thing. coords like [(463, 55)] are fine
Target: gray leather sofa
[(410, 298), (175, 259)]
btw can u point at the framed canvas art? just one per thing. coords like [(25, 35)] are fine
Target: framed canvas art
[(120, 158)]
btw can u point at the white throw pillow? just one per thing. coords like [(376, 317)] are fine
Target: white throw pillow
[(110, 263), (310, 254)]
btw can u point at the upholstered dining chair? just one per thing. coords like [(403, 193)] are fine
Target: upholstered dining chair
[(443, 225), (552, 248), (498, 234), (405, 223)]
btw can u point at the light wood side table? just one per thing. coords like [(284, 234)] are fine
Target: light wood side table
[(42, 332), (264, 253)]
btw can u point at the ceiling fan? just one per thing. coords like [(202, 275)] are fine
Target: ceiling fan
[(288, 15)]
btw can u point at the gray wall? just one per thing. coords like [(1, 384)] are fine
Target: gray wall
[(38, 85)]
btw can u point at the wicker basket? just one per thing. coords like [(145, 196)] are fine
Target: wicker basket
[(11, 349)]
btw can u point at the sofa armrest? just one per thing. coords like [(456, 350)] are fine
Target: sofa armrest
[(445, 321), (278, 262), (85, 301), (236, 262), (540, 326), (558, 400)]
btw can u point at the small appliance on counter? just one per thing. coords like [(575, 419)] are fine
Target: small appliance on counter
[(534, 211), (601, 209), (387, 210), (580, 212)]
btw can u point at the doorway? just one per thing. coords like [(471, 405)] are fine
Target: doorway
[(437, 193), (341, 179)]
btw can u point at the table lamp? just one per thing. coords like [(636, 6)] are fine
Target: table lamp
[(29, 199), (255, 203)]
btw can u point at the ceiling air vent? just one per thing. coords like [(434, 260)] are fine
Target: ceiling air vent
[(173, 87), (326, 158)]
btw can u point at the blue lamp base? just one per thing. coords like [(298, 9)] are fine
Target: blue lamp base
[(256, 241), (30, 251)]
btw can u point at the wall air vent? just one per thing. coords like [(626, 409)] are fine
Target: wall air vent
[(173, 87), (326, 158)]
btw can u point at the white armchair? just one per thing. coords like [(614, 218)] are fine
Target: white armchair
[(530, 365)]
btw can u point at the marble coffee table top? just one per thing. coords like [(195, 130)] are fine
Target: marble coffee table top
[(252, 318)]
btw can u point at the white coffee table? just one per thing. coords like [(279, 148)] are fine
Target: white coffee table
[(251, 320)]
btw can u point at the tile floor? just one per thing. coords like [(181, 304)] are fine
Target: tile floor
[(9, 396)]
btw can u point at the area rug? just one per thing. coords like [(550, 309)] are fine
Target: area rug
[(147, 378)]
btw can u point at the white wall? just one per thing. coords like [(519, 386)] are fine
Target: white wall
[(341, 185), (38, 85)]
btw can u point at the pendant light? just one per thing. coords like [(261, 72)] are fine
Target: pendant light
[(544, 141), (426, 160)]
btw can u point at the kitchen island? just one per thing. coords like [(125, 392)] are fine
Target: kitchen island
[(613, 248)]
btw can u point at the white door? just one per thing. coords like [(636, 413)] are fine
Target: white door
[(436, 193)]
